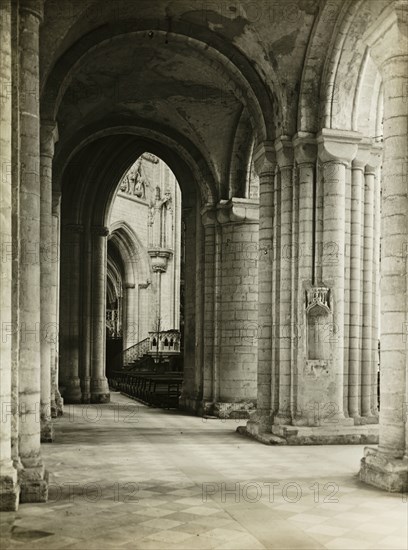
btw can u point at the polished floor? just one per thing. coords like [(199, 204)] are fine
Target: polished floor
[(127, 476)]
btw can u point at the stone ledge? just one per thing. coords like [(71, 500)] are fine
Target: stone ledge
[(294, 435), (227, 410), (263, 437)]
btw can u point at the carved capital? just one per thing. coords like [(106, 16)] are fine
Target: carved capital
[(376, 158), (284, 152), (338, 146), (363, 154), (209, 215), (100, 230), (56, 202), (238, 210), (129, 285), (265, 158), (305, 148), (159, 258), (48, 137), (35, 7)]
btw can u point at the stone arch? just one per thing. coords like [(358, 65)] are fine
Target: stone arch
[(241, 152), (134, 255), (350, 82), (218, 50), (312, 74), (122, 142)]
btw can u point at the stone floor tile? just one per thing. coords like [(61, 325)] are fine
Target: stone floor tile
[(175, 510)]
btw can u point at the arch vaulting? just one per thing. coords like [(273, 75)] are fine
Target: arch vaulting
[(230, 177)]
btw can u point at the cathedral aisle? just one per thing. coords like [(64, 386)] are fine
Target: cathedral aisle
[(127, 476)]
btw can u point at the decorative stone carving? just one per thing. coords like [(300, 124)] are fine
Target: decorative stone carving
[(150, 157), (318, 296), (100, 230), (159, 258), (160, 217), (134, 181)]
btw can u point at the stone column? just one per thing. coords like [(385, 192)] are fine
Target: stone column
[(86, 332), (366, 356), (336, 150), (208, 217), (99, 383), (265, 165), (283, 332), (237, 301), (56, 399), (191, 374), (130, 316), (9, 495), (47, 266), (387, 466), (33, 478), (305, 148), (355, 329), (70, 321), (376, 160)]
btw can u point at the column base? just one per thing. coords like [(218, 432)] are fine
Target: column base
[(258, 427), (222, 409), (47, 430), (384, 472), (59, 404), (100, 390), (9, 489), (282, 419), (295, 435), (99, 398), (190, 404), (72, 392), (362, 420), (34, 485)]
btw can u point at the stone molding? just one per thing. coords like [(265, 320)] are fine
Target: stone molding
[(35, 7), (143, 286), (388, 36), (129, 285), (338, 146), (264, 158), (376, 158), (159, 258), (100, 230), (48, 137), (208, 215), (305, 148), (237, 210), (284, 152)]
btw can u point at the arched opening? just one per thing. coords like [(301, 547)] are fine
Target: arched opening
[(285, 124), (145, 223), (186, 112)]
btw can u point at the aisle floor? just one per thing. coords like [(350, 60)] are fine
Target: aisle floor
[(124, 475)]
